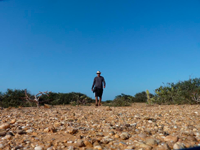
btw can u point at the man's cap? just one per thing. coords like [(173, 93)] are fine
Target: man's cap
[(98, 72)]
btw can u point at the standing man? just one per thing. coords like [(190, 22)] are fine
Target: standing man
[(97, 87)]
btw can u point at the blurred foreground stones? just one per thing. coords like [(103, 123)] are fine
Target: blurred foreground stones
[(139, 127)]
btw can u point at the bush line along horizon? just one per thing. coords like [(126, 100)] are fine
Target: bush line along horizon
[(182, 92)]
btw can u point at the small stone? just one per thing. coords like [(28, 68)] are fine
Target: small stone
[(116, 136), (72, 130), (127, 125), (108, 108), (2, 132), (21, 132), (178, 146), (57, 124), (142, 135), (87, 143), (70, 148), (29, 131), (98, 147), (137, 116), (80, 143), (100, 134), (18, 147), (46, 130), (4, 126), (191, 138), (48, 144), (50, 129), (124, 136), (112, 133), (151, 142), (34, 134), (159, 147), (50, 148), (38, 148), (122, 144), (70, 142), (146, 147), (130, 147), (1, 146), (171, 138), (13, 121), (106, 140), (8, 137)]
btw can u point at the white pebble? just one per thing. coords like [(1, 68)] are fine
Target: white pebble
[(38, 148), (1, 145)]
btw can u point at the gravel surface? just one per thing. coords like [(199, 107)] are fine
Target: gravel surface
[(139, 127)]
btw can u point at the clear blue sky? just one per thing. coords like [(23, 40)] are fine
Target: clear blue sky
[(59, 45)]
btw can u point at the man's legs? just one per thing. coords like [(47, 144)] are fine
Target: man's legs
[(99, 101), (100, 96), (98, 104), (96, 98)]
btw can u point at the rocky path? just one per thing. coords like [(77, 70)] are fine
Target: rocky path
[(139, 127)]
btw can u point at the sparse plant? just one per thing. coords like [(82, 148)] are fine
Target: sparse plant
[(36, 97), (148, 97)]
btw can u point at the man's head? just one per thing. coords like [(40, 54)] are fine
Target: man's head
[(98, 73)]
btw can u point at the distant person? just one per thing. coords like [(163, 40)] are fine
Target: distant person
[(97, 87)]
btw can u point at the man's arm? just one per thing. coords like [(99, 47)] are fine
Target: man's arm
[(104, 83), (93, 84)]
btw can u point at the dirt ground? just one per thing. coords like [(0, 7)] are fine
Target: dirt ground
[(159, 127)]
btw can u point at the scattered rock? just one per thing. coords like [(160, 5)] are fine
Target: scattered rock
[(178, 146), (70, 148), (50, 148), (106, 140), (29, 131), (5, 126), (38, 148), (191, 138), (112, 133), (8, 137), (57, 124), (98, 147), (13, 121), (72, 130), (108, 108), (87, 143), (2, 132), (171, 138), (142, 135), (151, 142), (122, 144), (80, 143), (146, 147), (21, 132), (124, 136), (116, 136), (130, 147), (50, 129), (67, 127)]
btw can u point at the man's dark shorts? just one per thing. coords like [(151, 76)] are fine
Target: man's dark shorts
[(98, 92)]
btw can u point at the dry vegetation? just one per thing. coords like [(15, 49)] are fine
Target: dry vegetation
[(140, 126)]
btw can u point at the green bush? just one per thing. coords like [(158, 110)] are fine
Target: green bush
[(119, 101), (183, 92), (15, 98)]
